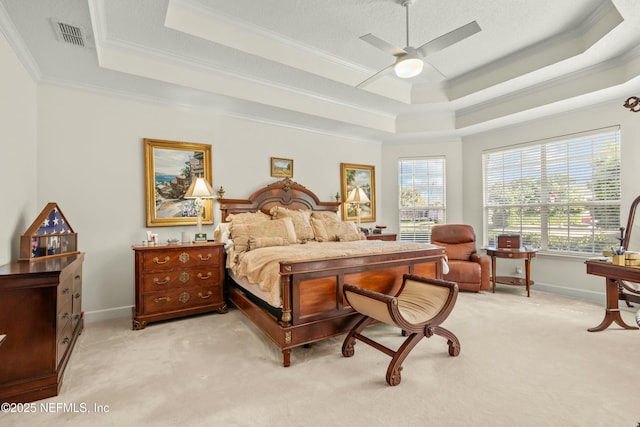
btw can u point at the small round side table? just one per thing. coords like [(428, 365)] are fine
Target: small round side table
[(521, 253)]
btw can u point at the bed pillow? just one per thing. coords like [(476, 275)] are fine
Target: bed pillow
[(347, 231), (221, 233), (241, 233), (319, 230), (301, 221), (331, 231), (248, 217), (326, 216), (266, 242)]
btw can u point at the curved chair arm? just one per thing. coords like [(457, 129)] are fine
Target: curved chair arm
[(485, 267), (371, 303), (412, 308)]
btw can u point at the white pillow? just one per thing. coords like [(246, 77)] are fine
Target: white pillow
[(221, 233)]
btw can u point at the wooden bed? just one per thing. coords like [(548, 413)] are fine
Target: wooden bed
[(313, 307)]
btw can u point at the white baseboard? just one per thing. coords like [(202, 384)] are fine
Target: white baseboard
[(110, 313), (581, 294)]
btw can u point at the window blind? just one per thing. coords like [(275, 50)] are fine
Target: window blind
[(422, 197), (561, 195)]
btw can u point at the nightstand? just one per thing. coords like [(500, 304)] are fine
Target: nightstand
[(383, 236), (177, 280)]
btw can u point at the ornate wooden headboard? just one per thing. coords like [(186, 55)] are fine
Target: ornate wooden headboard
[(285, 193)]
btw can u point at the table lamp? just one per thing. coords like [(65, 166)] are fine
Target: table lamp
[(199, 190), (356, 197)]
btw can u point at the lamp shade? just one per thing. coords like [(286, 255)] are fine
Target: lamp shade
[(408, 66), (357, 195), (199, 189)]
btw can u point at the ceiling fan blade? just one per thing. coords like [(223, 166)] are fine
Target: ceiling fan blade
[(375, 77), (449, 39), (432, 72), (382, 45)]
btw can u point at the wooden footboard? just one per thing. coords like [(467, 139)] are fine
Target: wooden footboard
[(313, 304)]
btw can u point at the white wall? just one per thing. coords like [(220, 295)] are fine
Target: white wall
[(560, 274), (90, 158), (18, 168)]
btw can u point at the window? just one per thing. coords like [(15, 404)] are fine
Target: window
[(422, 197), (561, 195)]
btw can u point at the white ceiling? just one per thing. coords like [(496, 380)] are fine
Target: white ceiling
[(297, 62)]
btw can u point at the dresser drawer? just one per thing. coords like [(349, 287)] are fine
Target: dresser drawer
[(170, 259), (187, 278), (64, 335), (65, 292), (179, 299)]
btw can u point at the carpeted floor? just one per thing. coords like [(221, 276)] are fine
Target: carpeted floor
[(523, 362)]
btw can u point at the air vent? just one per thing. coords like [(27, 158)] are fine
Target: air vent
[(71, 34)]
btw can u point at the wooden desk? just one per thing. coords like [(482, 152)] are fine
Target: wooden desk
[(520, 253), (614, 275)]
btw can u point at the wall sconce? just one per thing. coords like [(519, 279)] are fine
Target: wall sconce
[(356, 197), (199, 190), (633, 104)]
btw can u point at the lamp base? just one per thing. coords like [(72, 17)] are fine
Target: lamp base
[(201, 237)]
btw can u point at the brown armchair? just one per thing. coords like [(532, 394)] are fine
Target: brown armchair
[(467, 267)]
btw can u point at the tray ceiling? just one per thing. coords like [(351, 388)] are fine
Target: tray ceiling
[(298, 62)]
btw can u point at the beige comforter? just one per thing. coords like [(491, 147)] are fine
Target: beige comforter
[(262, 266)]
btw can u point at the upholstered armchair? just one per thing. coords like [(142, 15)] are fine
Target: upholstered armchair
[(467, 267)]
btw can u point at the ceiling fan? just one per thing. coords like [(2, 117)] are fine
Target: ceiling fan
[(409, 61)]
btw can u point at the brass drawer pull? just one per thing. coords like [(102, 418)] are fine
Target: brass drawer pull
[(78, 277), (66, 290), (184, 297), (66, 316), (158, 300), (77, 295), (205, 296), (157, 281), (66, 340), (157, 260), (203, 258), (200, 276)]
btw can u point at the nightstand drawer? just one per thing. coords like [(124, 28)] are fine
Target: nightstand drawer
[(180, 299), (170, 259), (383, 236), (188, 278)]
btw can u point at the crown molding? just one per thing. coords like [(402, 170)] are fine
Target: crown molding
[(18, 45)]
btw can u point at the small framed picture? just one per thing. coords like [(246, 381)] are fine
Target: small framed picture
[(281, 168)]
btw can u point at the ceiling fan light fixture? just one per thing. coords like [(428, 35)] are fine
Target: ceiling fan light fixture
[(408, 66)]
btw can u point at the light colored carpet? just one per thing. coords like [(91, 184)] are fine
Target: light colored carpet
[(523, 362)]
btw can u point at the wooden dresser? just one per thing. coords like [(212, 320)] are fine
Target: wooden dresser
[(177, 280), (41, 315)]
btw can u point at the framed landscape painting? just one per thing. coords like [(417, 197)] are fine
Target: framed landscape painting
[(282, 168), (363, 176), (170, 166)]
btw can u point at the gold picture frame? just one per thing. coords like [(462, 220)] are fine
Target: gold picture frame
[(281, 168), (169, 167), (363, 176)]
